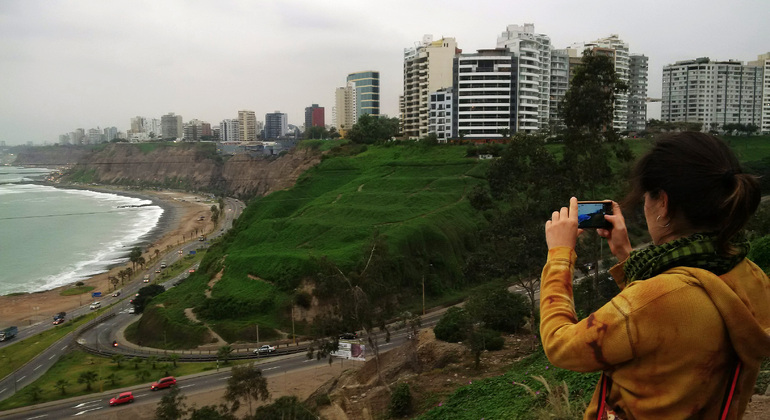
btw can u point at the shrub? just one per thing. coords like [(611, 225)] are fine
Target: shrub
[(760, 252), (401, 401), (500, 310), (453, 326)]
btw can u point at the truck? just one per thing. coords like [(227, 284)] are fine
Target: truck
[(8, 333)]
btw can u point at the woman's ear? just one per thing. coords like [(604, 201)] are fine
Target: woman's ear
[(663, 203)]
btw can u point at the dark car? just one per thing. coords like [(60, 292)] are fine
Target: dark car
[(122, 398), (59, 318), (166, 382), (348, 336)]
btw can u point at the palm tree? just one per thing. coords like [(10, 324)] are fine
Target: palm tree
[(129, 272), (113, 378), (143, 374), (224, 353), (34, 392), (117, 358), (122, 275), (152, 361), (141, 261), (114, 280), (62, 385), (157, 253), (173, 357), (136, 252), (88, 377)]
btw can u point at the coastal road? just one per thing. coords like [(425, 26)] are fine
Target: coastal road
[(97, 405)]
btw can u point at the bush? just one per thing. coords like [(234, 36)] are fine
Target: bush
[(760, 252), (401, 401), (285, 408), (453, 326), (499, 310)]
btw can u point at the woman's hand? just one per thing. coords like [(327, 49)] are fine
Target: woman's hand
[(617, 237), (562, 229)]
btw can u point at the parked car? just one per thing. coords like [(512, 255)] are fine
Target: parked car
[(266, 349), (161, 383), (96, 305), (122, 398)]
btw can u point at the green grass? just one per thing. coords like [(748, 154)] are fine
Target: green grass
[(500, 397), (70, 366), (411, 195), (18, 354), (78, 290)]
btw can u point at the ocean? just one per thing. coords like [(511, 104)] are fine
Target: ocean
[(50, 237)]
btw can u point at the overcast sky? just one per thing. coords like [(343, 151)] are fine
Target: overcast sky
[(88, 63)]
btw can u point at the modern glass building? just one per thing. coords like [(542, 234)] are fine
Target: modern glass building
[(367, 89)]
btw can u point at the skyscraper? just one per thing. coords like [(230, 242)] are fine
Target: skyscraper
[(229, 130), (247, 122), (171, 126), (427, 68), (276, 125), (637, 93), (345, 107), (532, 52), (366, 85)]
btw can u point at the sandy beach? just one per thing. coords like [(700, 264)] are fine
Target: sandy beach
[(179, 222)]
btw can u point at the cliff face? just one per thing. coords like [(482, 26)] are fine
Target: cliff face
[(186, 166)]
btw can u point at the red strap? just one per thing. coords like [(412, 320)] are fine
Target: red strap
[(731, 392), (605, 384)]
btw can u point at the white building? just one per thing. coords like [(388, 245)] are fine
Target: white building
[(427, 68), (533, 55), (345, 107), (486, 101), (713, 93), (229, 130), (440, 117)]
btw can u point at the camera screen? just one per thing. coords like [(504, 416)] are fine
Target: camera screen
[(591, 215)]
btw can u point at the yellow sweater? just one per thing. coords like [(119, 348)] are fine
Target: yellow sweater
[(669, 343)]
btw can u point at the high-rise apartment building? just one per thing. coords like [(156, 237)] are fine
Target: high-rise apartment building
[(441, 112), (345, 107), (110, 133), (485, 103), (229, 130), (713, 93), (763, 62), (366, 85), (314, 116), (637, 93), (532, 52), (276, 125), (427, 68), (171, 126), (560, 77), (247, 122)]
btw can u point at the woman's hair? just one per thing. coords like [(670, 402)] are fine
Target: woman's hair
[(703, 181)]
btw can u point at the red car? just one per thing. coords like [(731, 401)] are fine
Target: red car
[(122, 398), (166, 382)]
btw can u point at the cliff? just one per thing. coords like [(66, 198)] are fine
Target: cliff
[(189, 166)]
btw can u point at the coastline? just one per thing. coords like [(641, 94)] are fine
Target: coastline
[(179, 219)]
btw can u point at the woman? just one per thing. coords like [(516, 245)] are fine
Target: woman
[(685, 337)]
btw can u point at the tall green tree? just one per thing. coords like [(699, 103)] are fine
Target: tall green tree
[(133, 256), (62, 385), (246, 383), (369, 129), (171, 405), (224, 353), (88, 377)]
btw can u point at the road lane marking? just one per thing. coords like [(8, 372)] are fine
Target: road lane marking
[(274, 367), (64, 347), (85, 411), (38, 367), (21, 378), (51, 357), (86, 403), (142, 395), (37, 417), (186, 386), (3, 390)]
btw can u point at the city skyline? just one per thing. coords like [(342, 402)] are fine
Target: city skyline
[(85, 64)]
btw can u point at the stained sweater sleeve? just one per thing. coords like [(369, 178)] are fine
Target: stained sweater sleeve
[(595, 343)]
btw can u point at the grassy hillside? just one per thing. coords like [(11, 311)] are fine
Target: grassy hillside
[(411, 195)]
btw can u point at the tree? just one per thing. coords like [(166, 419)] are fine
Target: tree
[(146, 294), (117, 358), (174, 358), (210, 412), (157, 253), (401, 401), (141, 261), (113, 378), (498, 309), (224, 353), (152, 361), (143, 375), (333, 133), (133, 256), (370, 129), (316, 132), (453, 326), (171, 405), (62, 385), (246, 382), (480, 339), (88, 377), (34, 392), (114, 280), (129, 272), (285, 408)]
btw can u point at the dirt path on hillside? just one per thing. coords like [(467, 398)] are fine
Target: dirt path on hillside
[(188, 312)]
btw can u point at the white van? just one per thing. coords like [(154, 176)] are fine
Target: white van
[(96, 305)]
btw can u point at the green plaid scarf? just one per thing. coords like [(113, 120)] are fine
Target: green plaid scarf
[(698, 251)]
